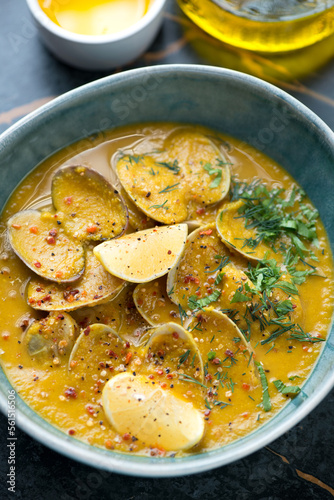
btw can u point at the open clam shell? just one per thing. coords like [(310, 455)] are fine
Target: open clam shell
[(94, 287), (50, 340), (172, 347), (97, 348), (90, 207), (169, 186), (153, 303), (38, 238)]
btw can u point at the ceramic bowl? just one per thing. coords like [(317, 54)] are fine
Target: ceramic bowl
[(247, 108), (101, 52)]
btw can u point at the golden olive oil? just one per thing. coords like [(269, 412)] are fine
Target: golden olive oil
[(95, 17), (263, 25)]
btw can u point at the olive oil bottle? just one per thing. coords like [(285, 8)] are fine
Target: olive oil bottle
[(264, 25)]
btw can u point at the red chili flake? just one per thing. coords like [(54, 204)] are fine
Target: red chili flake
[(71, 432), (294, 306), (207, 413), (169, 252), (140, 302), (24, 324), (50, 240), (112, 354), (200, 211), (245, 386), (198, 293), (46, 298), (5, 336), (71, 393), (151, 376), (90, 409), (39, 303), (69, 294), (161, 353), (33, 229), (206, 233), (175, 335), (128, 357), (229, 353), (163, 385), (126, 436), (60, 316), (127, 345), (169, 375), (39, 289), (53, 232), (31, 301), (87, 330), (91, 229), (208, 376), (59, 274), (108, 444), (160, 372), (37, 264), (96, 297), (189, 278), (216, 361), (68, 200), (16, 226)]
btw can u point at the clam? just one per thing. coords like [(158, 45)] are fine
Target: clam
[(38, 238), (172, 347), (207, 273), (145, 255), (90, 208), (97, 353), (49, 341), (231, 228), (94, 287), (151, 414), (170, 185), (229, 350), (154, 304)]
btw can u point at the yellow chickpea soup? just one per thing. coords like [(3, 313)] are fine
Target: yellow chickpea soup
[(157, 289)]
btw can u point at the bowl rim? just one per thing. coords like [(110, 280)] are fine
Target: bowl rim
[(160, 467), (41, 18)]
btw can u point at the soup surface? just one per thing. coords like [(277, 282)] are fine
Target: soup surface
[(164, 289)]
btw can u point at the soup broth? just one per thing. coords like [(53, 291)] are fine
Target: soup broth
[(223, 339)]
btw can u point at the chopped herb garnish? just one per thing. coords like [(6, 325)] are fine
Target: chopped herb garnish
[(265, 390), (211, 355), (223, 262), (299, 334), (183, 358), (187, 378), (214, 171), (271, 216), (239, 297), (195, 303), (182, 313), (286, 389), (171, 166), (163, 205), (169, 188)]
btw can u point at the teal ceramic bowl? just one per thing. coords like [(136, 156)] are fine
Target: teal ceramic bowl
[(231, 102)]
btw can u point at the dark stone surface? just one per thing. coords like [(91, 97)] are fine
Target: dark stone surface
[(298, 465)]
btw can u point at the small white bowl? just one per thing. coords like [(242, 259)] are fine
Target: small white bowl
[(99, 52)]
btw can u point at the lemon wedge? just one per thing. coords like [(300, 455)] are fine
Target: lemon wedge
[(151, 414), (145, 255)]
